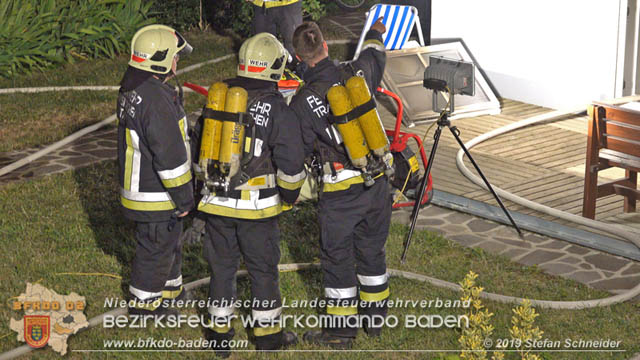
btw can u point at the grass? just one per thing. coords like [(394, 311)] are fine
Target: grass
[(29, 120), (71, 222)]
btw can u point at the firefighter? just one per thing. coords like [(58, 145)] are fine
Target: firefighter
[(285, 15), (245, 222), (354, 217), (154, 165)]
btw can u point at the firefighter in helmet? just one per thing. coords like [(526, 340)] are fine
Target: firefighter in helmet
[(354, 210), (243, 221), (154, 165)]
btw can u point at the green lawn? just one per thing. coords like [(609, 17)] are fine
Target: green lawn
[(28, 120), (70, 222)]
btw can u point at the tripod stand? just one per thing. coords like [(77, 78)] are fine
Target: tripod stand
[(443, 121)]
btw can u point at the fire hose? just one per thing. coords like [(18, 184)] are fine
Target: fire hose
[(567, 305), (97, 320), (89, 129)]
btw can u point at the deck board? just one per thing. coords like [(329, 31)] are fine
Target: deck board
[(532, 150), (554, 155), (540, 163)]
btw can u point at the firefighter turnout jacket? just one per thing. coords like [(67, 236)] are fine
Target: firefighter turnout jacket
[(354, 219), (276, 171), (312, 108), (153, 153)]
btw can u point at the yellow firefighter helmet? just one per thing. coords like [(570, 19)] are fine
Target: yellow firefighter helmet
[(153, 48), (262, 57)]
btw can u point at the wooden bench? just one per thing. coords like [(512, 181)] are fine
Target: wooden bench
[(614, 141)]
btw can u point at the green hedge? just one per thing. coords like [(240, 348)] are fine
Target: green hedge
[(36, 34), (181, 15), (232, 15)]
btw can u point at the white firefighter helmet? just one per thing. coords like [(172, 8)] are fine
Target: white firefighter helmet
[(154, 46), (262, 57)]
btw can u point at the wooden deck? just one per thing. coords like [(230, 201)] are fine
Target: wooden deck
[(542, 163)]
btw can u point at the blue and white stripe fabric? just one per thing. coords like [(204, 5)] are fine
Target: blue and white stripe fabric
[(398, 20)]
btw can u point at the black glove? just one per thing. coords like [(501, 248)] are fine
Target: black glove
[(193, 234)]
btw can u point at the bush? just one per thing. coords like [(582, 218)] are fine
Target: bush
[(221, 15), (231, 15), (36, 34), (314, 9), (236, 15), (182, 15)]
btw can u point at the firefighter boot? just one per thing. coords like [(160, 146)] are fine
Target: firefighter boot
[(219, 342), (289, 338), (185, 295), (373, 326), (277, 341), (319, 337), (373, 331)]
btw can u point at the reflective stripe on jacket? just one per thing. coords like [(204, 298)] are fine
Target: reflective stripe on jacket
[(153, 153), (278, 142)]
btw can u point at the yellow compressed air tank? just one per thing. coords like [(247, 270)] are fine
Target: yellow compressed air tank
[(370, 122), (212, 131), (232, 139), (350, 131)]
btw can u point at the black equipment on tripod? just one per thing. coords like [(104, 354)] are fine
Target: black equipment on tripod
[(453, 77)]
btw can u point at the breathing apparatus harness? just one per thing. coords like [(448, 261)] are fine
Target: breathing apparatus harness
[(328, 156), (211, 169)]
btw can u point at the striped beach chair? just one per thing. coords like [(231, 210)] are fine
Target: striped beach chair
[(399, 21)]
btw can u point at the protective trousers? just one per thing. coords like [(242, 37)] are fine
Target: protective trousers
[(258, 242), (354, 225), (286, 18), (156, 272)]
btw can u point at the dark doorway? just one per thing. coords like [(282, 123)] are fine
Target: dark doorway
[(424, 12)]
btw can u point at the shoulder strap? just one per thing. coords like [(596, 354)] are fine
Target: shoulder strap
[(346, 71), (241, 118)]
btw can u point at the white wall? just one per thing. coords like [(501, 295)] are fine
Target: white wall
[(553, 53)]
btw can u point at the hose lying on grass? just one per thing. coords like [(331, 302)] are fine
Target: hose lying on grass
[(71, 138), (87, 130), (571, 305), (567, 305)]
